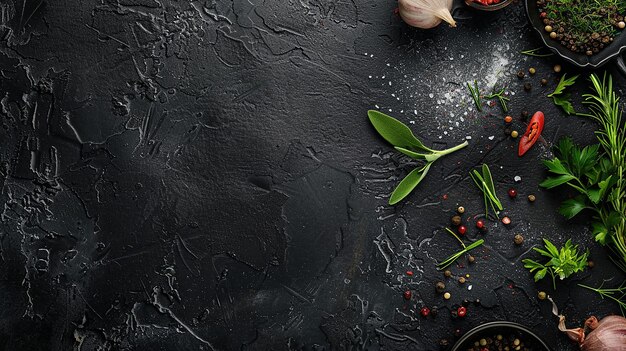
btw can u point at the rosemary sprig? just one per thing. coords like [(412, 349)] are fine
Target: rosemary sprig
[(475, 93), (533, 52), (616, 294), (484, 182), (450, 260), (501, 97)]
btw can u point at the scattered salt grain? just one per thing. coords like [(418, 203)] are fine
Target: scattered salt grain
[(491, 137), (517, 178)]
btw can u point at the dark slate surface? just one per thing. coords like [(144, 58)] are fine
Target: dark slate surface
[(202, 175)]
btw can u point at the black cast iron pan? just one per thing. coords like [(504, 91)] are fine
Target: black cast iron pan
[(613, 51)]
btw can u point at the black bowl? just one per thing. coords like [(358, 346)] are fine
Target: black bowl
[(594, 61), (499, 327)]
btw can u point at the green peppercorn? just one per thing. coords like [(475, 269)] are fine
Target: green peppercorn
[(542, 295), (531, 198), (557, 68), (460, 209), (532, 70), (461, 280), (447, 274), (514, 134)]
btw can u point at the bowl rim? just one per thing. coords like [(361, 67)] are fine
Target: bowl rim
[(498, 324), (597, 60)]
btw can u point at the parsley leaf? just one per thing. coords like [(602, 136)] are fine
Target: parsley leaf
[(563, 263), (561, 99)]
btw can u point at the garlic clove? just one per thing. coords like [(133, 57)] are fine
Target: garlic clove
[(576, 334), (426, 13)]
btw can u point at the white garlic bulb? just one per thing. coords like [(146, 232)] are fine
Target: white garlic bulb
[(426, 13)]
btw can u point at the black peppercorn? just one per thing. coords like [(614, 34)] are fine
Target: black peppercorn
[(477, 302), (524, 115), (527, 86), (466, 302), (544, 81), (440, 287), (456, 220), (520, 74)]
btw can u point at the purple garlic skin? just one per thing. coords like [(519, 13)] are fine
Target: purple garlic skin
[(607, 334)]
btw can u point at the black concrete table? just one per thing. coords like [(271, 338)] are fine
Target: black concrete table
[(202, 175)]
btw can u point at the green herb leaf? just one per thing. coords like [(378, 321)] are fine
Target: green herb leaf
[(395, 132), (570, 208), (563, 101), (593, 195), (550, 183), (563, 83), (562, 263), (408, 184), (555, 166), (411, 154), (540, 274)]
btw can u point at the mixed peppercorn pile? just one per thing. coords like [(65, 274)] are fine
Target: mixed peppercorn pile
[(499, 342), (582, 26)]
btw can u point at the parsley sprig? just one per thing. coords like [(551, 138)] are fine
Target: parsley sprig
[(562, 263), (561, 98), (596, 172)]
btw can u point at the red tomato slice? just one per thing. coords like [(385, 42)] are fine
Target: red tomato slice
[(535, 127)]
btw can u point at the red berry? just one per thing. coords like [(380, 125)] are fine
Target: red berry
[(543, 15), (461, 311), (407, 295), (512, 193), (480, 224), (484, 349), (425, 311), (462, 230), (409, 273)]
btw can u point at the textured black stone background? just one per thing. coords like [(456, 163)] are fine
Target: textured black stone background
[(197, 175)]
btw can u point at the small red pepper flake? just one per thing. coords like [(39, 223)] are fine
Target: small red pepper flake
[(445, 196), (480, 224), (425, 311), (462, 229), (543, 15), (506, 220), (461, 311), (512, 193), (409, 273), (407, 295)]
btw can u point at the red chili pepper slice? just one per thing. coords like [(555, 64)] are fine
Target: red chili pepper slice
[(535, 127)]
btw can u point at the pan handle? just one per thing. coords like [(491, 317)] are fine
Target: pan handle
[(621, 66)]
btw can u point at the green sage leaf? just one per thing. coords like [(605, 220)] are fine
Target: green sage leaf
[(408, 184), (394, 131)]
